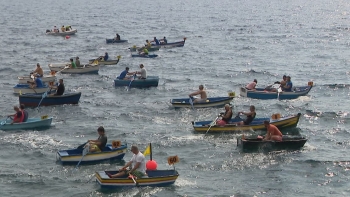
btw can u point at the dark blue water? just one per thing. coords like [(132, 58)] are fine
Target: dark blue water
[(229, 43)]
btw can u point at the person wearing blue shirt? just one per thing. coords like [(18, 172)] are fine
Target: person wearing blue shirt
[(37, 83), (123, 75), (105, 58), (155, 40), (289, 85)]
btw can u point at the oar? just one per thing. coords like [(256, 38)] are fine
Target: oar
[(82, 146), (132, 177), (62, 69), (191, 102), (85, 151), (42, 98), (212, 124), (132, 79), (4, 122)]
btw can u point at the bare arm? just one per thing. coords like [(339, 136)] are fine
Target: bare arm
[(195, 93), (137, 165), (126, 165)]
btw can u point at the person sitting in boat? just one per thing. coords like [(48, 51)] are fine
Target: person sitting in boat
[(200, 92), (125, 75), (18, 116), (38, 72), (77, 62), (99, 144), (25, 113), (63, 29), (37, 83), (289, 85), (250, 116), (156, 41), (117, 37), (163, 41), (148, 44), (59, 89), (144, 52), (275, 86), (55, 29), (68, 28), (273, 133), (105, 57), (225, 117), (137, 163), (142, 72), (72, 64), (251, 86)]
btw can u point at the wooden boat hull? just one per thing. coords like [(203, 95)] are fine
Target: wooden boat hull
[(151, 81), (172, 44), (257, 124), (45, 79), (66, 33), (287, 143), (156, 178), (261, 94), (73, 156), (86, 69), (31, 123), (144, 56), (112, 41), (102, 62), (25, 89), (150, 49), (33, 100), (210, 102)]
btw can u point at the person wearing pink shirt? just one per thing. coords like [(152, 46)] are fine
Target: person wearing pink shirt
[(251, 86)]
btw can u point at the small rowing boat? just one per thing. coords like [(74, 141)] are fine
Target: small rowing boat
[(151, 81), (73, 156), (257, 124), (144, 56), (26, 89), (85, 69), (152, 48), (60, 33), (172, 44), (253, 144), (103, 62), (31, 123), (33, 100), (210, 102), (113, 41), (45, 79)]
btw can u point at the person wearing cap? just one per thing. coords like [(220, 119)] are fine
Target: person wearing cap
[(77, 62), (273, 133), (18, 116), (225, 117), (288, 86), (251, 86), (99, 144), (250, 116), (124, 75), (200, 92), (117, 37), (24, 112), (137, 164)]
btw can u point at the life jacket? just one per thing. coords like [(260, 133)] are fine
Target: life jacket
[(19, 118)]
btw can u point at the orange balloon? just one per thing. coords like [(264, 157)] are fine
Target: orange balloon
[(151, 165)]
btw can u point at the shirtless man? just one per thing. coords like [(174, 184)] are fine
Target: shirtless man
[(273, 133), (199, 92), (38, 72)]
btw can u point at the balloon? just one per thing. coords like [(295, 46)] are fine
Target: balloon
[(67, 37), (151, 165)]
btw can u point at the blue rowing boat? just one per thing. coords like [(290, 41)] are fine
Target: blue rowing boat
[(112, 41), (144, 56), (73, 156), (151, 81), (261, 93), (31, 123), (33, 100), (210, 102)]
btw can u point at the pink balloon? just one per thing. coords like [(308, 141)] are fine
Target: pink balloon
[(151, 165)]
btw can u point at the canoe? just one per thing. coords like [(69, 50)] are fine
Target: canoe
[(103, 62), (33, 100), (73, 156), (85, 69), (210, 102), (152, 48), (257, 124), (261, 94), (45, 79), (151, 81), (255, 144), (66, 33), (144, 56), (172, 44), (155, 178), (111, 41), (25, 89), (31, 123)]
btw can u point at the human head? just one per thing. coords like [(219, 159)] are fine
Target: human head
[(266, 123), (16, 108), (101, 130), (127, 68), (164, 37), (154, 38), (134, 149), (201, 87), (256, 81), (71, 59), (106, 53), (77, 58), (141, 66), (284, 77), (288, 78), (22, 106), (61, 81), (252, 108), (227, 107), (38, 65), (146, 40), (55, 26)]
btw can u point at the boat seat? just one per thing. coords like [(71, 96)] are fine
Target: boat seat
[(63, 153)]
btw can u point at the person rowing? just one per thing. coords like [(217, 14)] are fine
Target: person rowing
[(38, 72), (59, 89), (105, 57), (225, 117), (37, 83), (99, 144), (18, 117), (273, 133), (200, 92), (156, 41), (252, 85), (125, 75), (142, 72), (250, 116), (117, 37)]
